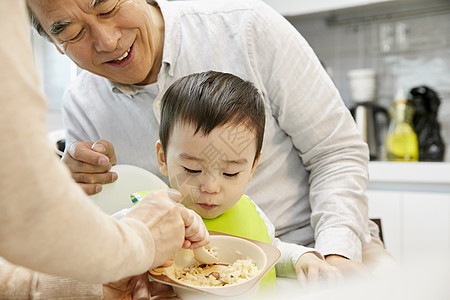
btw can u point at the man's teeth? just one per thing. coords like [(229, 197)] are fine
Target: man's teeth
[(123, 56)]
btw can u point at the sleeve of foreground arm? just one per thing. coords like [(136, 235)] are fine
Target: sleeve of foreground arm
[(47, 223), (21, 283), (309, 109)]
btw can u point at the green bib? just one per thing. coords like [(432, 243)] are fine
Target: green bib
[(244, 220), (241, 220)]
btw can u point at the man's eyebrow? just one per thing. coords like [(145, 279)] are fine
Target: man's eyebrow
[(59, 26), (95, 3)]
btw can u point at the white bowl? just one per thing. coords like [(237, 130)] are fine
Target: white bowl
[(116, 196), (229, 249)]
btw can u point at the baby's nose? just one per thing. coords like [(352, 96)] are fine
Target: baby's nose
[(210, 184)]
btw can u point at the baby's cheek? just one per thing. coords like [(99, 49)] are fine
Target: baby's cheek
[(188, 202)]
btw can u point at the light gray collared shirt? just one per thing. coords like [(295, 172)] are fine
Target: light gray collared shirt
[(312, 175)]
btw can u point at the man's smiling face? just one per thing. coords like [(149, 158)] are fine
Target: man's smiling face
[(121, 40)]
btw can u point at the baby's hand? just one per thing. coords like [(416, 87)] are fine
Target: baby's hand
[(310, 268), (348, 267)]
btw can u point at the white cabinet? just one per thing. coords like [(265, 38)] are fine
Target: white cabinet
[(301, 7), (387, 206), (412, 222), (426, 224), (413, 203)]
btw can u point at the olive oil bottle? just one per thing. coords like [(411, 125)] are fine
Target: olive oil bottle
[(401, 140)]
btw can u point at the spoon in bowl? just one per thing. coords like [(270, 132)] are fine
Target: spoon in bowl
[(202, 255)]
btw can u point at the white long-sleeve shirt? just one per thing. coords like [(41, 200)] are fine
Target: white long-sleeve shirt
[(312, 175)]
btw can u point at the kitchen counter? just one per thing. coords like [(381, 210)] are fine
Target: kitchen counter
[(409, 176)]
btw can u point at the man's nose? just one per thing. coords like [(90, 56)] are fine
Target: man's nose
[(209, 184), (106, 37)]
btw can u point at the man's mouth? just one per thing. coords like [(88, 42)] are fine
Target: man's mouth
[(124, 59), (123, 56)]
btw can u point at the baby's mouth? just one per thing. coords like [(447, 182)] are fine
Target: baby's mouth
[(207, 206)]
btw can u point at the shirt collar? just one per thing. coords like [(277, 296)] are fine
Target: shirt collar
[(131, 90), (172, 33)]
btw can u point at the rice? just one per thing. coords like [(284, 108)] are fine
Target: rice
[(217, 275)]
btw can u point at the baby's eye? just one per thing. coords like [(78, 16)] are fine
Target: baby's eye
[(190, 171), (231, 174)]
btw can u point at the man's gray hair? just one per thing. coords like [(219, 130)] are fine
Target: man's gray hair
[(36, 25)]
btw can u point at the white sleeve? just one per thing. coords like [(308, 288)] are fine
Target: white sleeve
[(310, 110)]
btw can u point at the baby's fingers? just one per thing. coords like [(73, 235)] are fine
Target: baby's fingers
[(301, 277), (313, 277), (333, 275), (330, 275)]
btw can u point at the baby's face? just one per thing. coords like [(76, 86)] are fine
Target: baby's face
[(211, 172)]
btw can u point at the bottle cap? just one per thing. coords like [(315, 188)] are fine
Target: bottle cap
[(400, 96)]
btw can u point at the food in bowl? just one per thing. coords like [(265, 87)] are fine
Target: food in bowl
[(230, 250), (212, 275), (195, 273)]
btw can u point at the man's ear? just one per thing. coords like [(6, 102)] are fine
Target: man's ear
[(255, 163), (161, 158)]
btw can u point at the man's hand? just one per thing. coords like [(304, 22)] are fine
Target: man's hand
[(348, 267), (137, 288), (170, 223), (90, 163)]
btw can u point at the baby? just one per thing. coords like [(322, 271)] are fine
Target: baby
[(211, 136)]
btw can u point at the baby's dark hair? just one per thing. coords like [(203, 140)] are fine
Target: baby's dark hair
[(212, 99)]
